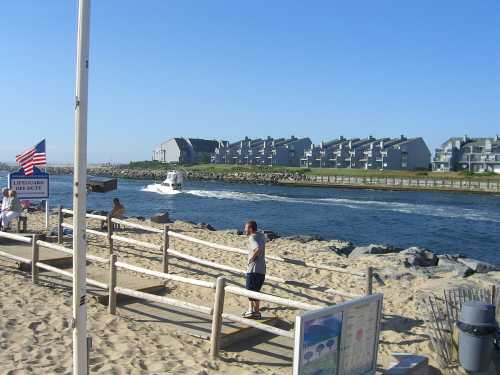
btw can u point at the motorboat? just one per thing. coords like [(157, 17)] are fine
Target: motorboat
[(171, 185)]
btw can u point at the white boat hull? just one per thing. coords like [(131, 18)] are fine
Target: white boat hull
[(162, 189)]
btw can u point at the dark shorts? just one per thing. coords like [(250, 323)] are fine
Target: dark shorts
[(254, 282)]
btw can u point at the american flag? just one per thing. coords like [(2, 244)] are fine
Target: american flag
[(34, 156)]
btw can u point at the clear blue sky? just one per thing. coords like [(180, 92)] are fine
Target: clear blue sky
[(226, 69)]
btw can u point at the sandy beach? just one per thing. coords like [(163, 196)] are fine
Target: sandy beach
[(35, 332)]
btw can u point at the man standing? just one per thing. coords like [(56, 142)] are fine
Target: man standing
[(256, 269)]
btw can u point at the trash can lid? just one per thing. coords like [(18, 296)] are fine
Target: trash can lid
[(479, 314)]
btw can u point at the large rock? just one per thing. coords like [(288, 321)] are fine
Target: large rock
[(160, 218), (478, 265), (419, 257), (235, 232), (303, 238), (372, 250), (450, 263), (392, 274), (342, 248), (206, 226), (140, 218), (270, 235)]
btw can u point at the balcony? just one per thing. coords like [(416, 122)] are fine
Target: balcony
[(440, 160)]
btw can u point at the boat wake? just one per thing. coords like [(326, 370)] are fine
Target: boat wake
[(444, 211)]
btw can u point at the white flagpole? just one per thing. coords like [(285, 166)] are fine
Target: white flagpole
[(47, 206), (80, 360)]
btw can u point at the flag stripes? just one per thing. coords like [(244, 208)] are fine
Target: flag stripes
[(35, 155)]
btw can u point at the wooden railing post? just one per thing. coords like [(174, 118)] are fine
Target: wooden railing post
[(112, 285), (166, 244), (110, 234), (217, 317), (35, 255), (59, 225), (369, 281)]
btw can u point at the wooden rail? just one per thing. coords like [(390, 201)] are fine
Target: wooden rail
[(63, 249), (270, 298), (70, 275), (90, 231), (208, 263), (165, 300), (137, 226), (90, 216), (261, 326), (54, 269), (167, 276), (15, 237), (131, 241), (15, 257)]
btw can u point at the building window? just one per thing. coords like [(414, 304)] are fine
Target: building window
[(404, 160)]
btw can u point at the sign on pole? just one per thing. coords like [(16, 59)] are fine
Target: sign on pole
[(35, 186), (339, 340)]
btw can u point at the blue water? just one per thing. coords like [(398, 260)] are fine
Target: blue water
[(442, 222)]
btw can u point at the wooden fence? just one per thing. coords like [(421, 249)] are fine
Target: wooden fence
[(167, 251), (491, 186), (216, 312), (220, 287)]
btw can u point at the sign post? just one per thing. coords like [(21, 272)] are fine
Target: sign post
[(80, 353), (339, 340), (47, 213)]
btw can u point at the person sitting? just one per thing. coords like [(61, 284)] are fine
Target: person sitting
[(118, 210), (5, 203), (12, 210)]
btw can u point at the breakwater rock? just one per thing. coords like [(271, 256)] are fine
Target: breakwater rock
[(159, 174)]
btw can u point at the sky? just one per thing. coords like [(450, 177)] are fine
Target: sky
[(230, 69)]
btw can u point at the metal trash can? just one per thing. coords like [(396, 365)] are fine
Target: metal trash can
[(477, 327)]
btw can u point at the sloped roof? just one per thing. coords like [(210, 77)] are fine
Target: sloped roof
[(203, 145), (182, 143)]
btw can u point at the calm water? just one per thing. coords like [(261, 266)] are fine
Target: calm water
[(443, 222)]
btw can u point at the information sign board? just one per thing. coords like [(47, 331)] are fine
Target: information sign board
[(35, 186), (340, 339)]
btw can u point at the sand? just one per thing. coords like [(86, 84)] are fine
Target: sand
[(35, 333)]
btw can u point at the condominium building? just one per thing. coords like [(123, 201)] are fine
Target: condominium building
[(185, 151), (468, 154), (268, 151), (370, 153)]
